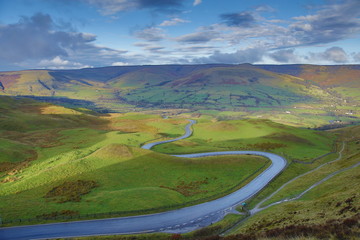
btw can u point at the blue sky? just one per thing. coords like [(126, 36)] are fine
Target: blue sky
[(58, 34)]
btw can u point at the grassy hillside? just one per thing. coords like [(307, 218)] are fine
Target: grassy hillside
[(331, 75), (99, 157), (60, 162), (330, 210), (225, 88), (342, 80), (254, 134), (286, 93)]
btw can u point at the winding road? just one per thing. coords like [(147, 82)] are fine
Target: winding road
[(258, 207), (176, 221)]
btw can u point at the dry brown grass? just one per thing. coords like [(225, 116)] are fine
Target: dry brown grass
[(266, 146), (130, 126), (185, 143), (44, 139), (332, 229), (223, 126), (287, 137), (70, 191), (113, 150), (52, 109), (326, 77), (12, 169), (5, 166), (189, 189), (10, 179)]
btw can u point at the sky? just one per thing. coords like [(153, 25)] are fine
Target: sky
[(71, 34)]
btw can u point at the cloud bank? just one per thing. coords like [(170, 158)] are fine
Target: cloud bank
[(38, 41)]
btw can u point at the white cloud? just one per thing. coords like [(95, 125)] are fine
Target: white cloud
[(331, 55), (119, 64), (59, 63), (356, 57), (55, 61), (39, 42), (197, 2), (248, 55), (151, 34), (264, 8), (173, 22), (333, 22), (336, 54), (285, 56), (39, 37), (198, 37)]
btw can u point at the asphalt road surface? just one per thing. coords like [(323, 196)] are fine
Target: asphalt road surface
[(187, 134), (176, 221)]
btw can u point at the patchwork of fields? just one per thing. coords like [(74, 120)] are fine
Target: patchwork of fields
[(299, 95), (60, 163)]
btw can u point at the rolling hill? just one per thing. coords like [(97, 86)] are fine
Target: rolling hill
[(61, 164), (342, 80), (58, 162), (304, 91)]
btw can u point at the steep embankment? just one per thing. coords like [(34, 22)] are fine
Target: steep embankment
[(322, 204)]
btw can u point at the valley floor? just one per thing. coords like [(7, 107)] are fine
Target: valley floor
[(60, 164)]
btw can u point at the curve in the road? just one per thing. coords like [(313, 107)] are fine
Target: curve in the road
[(187, 134), (258, 207), (178, 221)]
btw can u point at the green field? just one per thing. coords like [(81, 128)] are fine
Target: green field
[(329, 211), (116, 175), (59, 163), (253, 134), (326, 212)]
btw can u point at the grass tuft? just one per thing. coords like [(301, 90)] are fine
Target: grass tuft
[(191, 188)]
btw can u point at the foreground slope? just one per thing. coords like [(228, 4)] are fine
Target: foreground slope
[(87, 159), (100, 157), (327, 211), (73, 161)]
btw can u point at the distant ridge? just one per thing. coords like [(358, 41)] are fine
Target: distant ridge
[(208, 86)]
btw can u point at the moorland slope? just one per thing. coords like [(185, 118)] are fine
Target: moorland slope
[(191, 86)]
